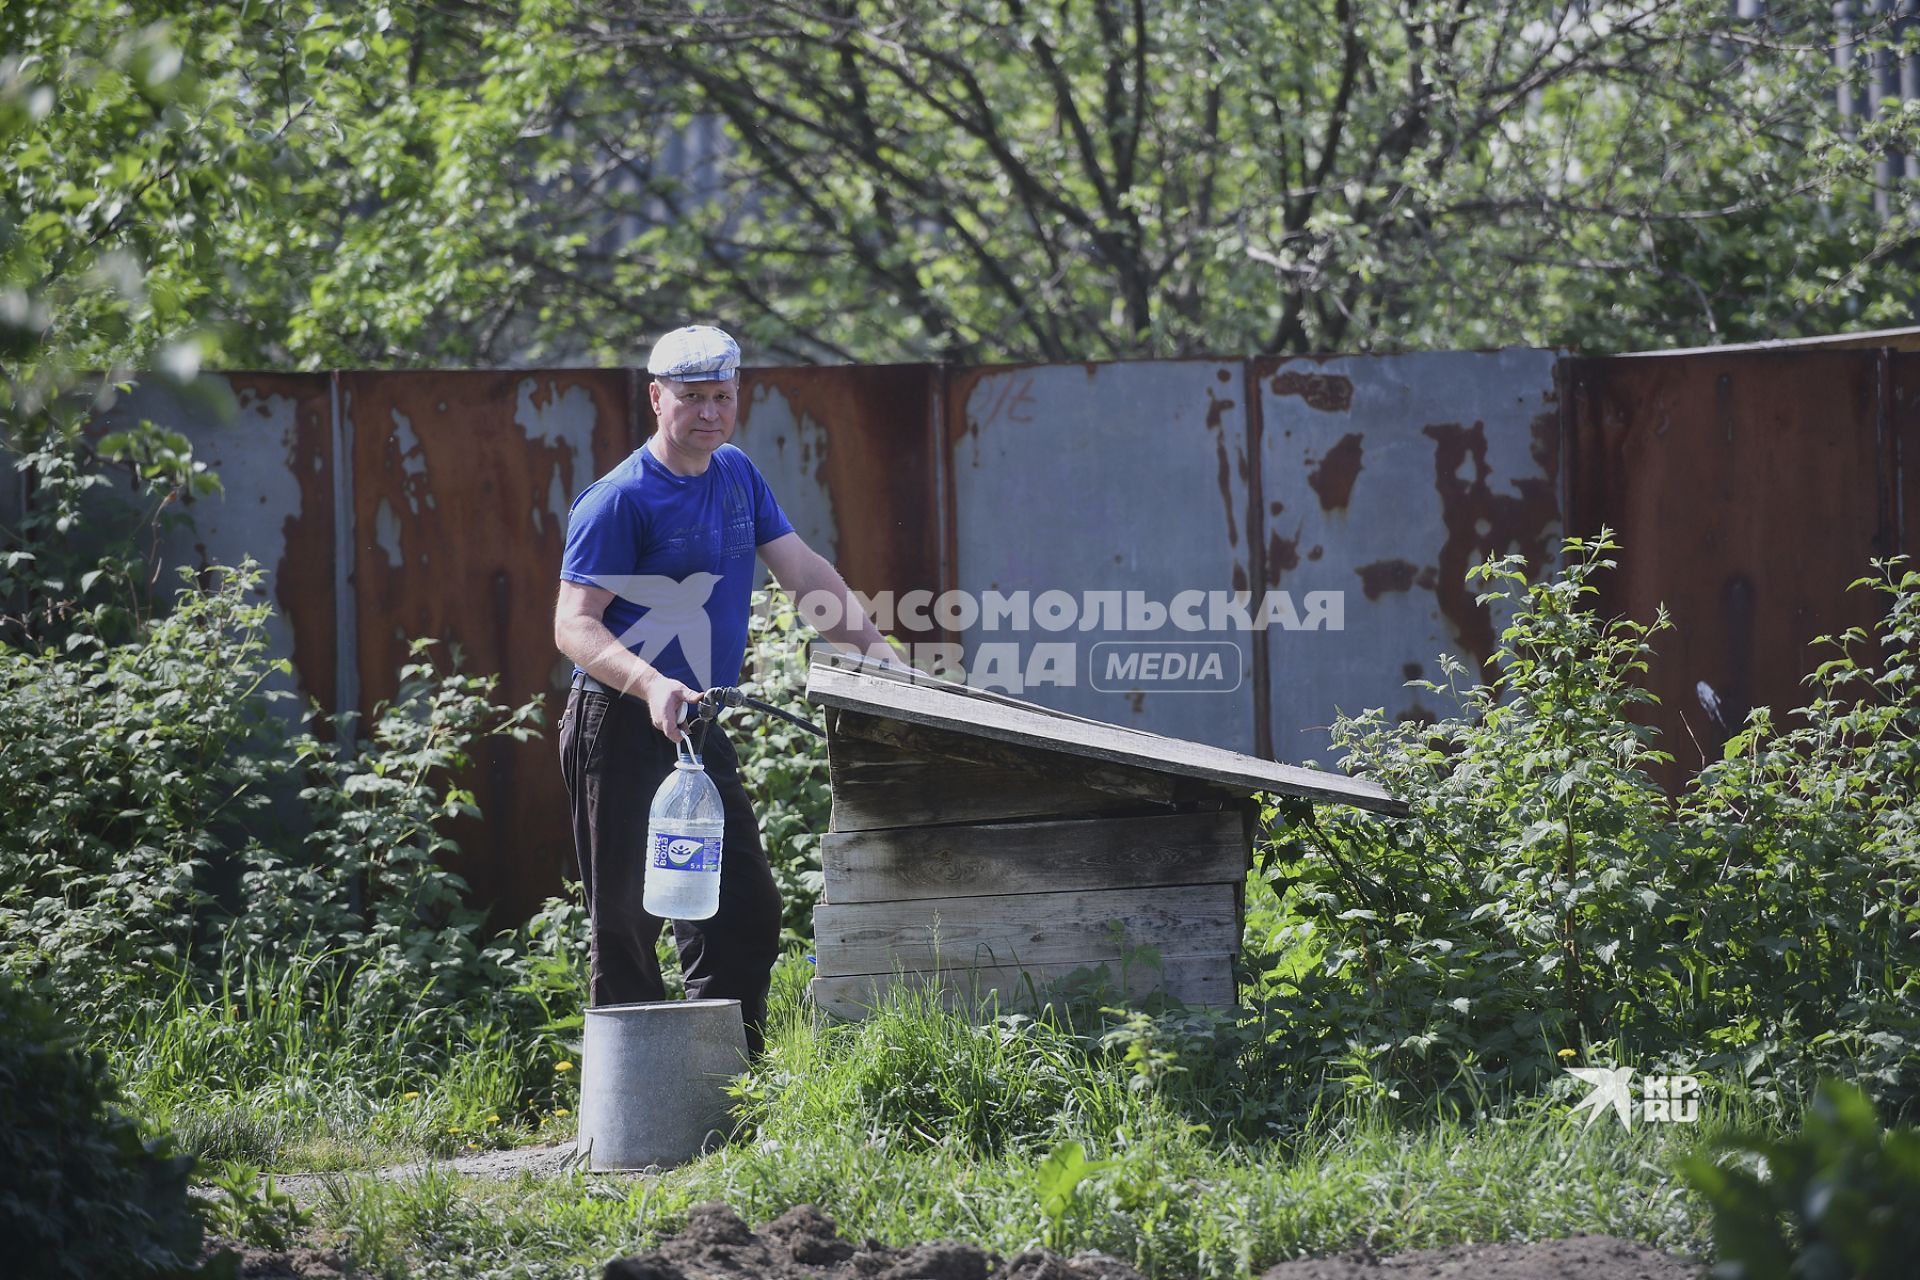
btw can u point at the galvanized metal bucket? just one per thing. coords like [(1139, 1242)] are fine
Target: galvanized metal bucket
[(653, 1081)]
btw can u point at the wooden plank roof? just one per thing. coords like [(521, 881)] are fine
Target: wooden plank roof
[(858, 685)]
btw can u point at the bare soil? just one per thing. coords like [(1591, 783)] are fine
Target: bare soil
[(802, 1244), (295, 1264), (1574, 1258)]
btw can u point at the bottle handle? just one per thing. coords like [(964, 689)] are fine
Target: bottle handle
[(686, 752)]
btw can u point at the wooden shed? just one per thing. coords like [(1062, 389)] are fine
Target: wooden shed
[(993, 847)]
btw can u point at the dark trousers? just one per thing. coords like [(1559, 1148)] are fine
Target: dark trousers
[(614, 760)]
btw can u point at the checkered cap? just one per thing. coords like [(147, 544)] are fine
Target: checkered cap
[(697, 353)]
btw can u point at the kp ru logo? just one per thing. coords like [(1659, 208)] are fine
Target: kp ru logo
[(1670, 1099), (1663, 1099)]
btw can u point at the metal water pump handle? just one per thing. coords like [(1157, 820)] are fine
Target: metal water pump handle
[(719, 699)]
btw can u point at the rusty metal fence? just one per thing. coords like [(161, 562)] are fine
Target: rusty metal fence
[(1348, 495), (1748, 489)]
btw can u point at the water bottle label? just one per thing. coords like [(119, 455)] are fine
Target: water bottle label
[(685, 853)]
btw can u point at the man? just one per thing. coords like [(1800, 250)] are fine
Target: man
[(653, 609)]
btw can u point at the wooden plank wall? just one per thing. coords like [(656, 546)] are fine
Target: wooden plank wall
[(989, 881)]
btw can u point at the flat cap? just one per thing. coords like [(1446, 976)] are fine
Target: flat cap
[(696, 353)]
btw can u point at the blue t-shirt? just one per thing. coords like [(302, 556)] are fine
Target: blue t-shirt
[(677, 552)]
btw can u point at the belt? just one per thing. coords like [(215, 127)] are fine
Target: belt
[(581, 680)]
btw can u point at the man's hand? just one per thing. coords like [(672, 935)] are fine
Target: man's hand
[(666, 697)]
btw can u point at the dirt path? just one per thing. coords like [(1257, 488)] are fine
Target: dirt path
[(543, 1162)]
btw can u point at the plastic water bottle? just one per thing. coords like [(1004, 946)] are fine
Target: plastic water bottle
[(685, 828)]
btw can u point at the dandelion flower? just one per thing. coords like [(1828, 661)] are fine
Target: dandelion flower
[(493, 1119), (560, 1111), (1569, 1053), (563, 1065), (411, 1094)]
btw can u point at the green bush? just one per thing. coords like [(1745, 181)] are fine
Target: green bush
[(1803, 934), (783, 767), (238, 911), (133, 771), (372, 884), (82, 1194), (1520, 909), (1839, 1199), (1546, 899), (155, 838), (140, 774)]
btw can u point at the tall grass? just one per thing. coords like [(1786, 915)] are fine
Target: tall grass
[(918, 1124), (290, 1063), (1176, 1203), (1173, 1204), (919, 1076), (913, 1124)]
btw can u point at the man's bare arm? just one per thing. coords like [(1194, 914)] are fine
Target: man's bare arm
[(580, 632), (801, 570)]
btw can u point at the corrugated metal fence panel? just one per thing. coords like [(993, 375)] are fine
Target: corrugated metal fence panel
[(1902, 493), (1387, 478), (1747, 491), (13, 490), (1130, 477), (461, 484), (849, 453), (1748, 488), (269, 438)]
